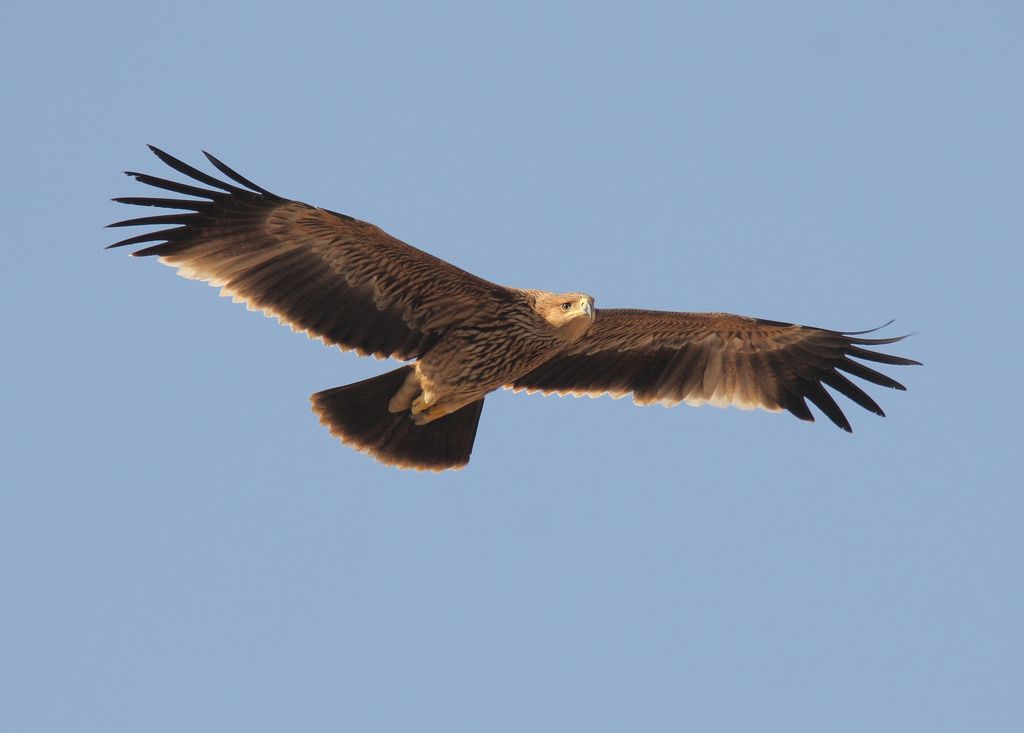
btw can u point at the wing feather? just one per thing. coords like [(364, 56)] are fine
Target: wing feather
[(329, 275), (718, 359)]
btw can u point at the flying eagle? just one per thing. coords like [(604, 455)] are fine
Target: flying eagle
[(352, 285)]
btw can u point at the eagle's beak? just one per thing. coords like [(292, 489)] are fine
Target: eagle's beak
[(587, 306)]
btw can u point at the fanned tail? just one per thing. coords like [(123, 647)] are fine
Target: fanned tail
[(358, 415)]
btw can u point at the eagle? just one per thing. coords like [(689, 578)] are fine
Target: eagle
[(351, 285)]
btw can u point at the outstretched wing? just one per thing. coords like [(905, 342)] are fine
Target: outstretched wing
[(333, 277), (716, 358)]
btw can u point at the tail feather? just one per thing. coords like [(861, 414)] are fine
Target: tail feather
[(358, 415)]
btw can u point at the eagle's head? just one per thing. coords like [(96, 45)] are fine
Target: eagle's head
[(571, 314)]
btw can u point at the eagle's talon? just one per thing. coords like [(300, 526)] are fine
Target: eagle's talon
[(430, 414), (420, 404)]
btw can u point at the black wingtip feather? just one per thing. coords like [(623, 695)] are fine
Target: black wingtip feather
[(194, 173), (161, 203), (875, 342), (827, 404), (867, 374), (869, 330), (797, 407), (237, 177), (879, 357), (844, 386), (161, 235), (151, 220), (182, 188)]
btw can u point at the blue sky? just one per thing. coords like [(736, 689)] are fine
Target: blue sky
[(183, 547)]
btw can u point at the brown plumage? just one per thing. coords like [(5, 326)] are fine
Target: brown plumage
[(353, 286)]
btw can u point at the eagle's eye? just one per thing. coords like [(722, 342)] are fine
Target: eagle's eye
[(566, 306)]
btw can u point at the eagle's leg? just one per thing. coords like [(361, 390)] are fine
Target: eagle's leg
[(417, 394), (439, 409), (403, 398), (427, 400), (423, 403)]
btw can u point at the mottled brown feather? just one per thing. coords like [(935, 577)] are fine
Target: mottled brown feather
[(715, 358), (333, 277)]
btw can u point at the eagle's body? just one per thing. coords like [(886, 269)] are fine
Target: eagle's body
[(351, 285), (493, 348)]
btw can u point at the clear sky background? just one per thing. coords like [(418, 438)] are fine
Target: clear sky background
[(184, 548)]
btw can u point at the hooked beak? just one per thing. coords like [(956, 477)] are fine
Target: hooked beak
[(587, 306)]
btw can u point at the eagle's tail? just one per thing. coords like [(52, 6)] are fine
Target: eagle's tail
[(358, 415)]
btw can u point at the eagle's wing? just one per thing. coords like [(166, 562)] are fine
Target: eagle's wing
[(715, 358), (333, 277)]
